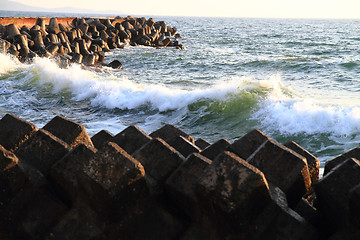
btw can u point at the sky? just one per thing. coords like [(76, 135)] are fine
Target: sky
[(220, 8)]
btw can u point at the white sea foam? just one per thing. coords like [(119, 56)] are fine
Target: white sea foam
[(74, 79), (8, 63), (114, 92), (290, 115)]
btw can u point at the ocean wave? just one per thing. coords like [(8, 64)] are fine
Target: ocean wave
[(274, 106), (303, 116), (109, 91)]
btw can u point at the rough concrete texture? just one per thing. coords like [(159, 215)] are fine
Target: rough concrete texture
[(57, 185)]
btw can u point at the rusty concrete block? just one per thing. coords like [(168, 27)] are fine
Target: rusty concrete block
[(201, 143), (42, 150), (64, 173), (334, 189), (183, 146), (352, 153), (159, 159), (312, 216), (181, 183), (102, 137), (69, 131), (312, 161), (215, 149), (112, 182), (12, 178), (131, 139), (278, 221), (284, 168), (14, 131), (248, 144), (233, 191), (168, 131)]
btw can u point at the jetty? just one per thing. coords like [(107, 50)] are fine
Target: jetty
[(81, 40)]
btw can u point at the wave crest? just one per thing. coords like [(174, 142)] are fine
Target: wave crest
[(104, 90), (299, 116)]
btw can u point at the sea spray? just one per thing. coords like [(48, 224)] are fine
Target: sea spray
[(8, 63), (46, 72)]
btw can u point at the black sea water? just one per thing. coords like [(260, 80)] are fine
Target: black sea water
[(294, 79)]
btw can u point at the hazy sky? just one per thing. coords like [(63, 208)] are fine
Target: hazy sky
[(224, 8)]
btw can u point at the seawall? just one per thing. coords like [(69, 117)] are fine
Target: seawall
[(31, 21), (81, 40), (57, 182)]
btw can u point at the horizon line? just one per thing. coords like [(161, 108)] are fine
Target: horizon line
[(164, 15)]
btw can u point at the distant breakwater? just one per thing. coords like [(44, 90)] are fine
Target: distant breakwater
[(81, 40), (57, 182)]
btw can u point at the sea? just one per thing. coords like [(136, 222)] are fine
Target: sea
[(294, 79)]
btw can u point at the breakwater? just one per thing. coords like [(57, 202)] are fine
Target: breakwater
[(57, 182), (81, 40)]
